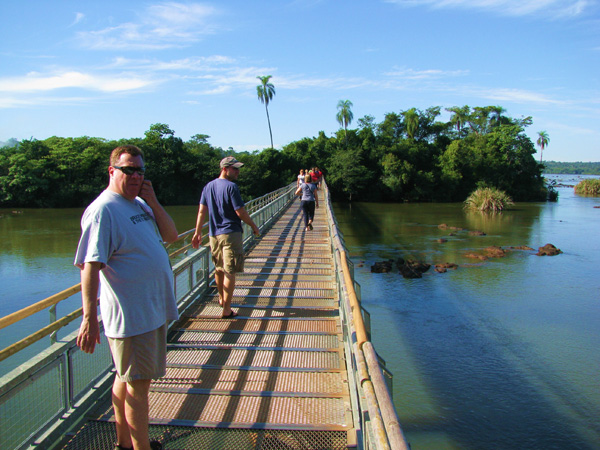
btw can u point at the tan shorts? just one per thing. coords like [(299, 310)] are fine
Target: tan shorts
[(141, 357), (228, 252)]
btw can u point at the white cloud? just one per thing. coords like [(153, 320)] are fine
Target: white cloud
[(78, 18), (515, 95), (36, 82), (546, 8), (160, 26), (412, 74)]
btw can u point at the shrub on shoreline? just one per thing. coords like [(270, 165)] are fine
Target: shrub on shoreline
[(488, 199), (588, 187)]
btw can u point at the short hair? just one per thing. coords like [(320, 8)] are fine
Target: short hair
[(132, 150), (307, 179)]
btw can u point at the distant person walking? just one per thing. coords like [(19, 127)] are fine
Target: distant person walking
[(300, 178), (308, 202), (222, 202), (121, 250)]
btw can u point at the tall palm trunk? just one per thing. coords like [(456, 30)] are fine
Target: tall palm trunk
[(269, 120)]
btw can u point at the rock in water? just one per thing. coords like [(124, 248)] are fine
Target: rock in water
[(548, 250)]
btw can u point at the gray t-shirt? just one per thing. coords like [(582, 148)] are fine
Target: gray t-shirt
[(136, 282), (308, 192)]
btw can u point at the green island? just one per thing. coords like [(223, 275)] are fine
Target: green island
[(410, 156)]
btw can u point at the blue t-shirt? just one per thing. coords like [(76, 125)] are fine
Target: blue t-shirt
[(223, 199)]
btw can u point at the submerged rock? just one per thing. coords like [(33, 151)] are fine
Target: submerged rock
[(382, 266), (442, 268), (495, 252), (476, 256), (476, 233), (548, 250), (520, 247), (413, 269)]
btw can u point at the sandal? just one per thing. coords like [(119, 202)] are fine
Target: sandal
[(231, 315)]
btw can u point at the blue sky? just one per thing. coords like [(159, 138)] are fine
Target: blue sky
[(110, 68)]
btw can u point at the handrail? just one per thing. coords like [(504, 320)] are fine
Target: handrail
[(39, 306)]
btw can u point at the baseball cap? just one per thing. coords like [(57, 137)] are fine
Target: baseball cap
[(230, 161)]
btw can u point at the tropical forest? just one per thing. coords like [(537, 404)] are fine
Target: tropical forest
[(411, 156)]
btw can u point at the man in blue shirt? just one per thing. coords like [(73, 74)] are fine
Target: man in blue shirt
[(222, 202)]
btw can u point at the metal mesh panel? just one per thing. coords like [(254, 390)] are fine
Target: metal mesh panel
[(290, 326), (285, 284), (250, 411), (256, 340), (287, 265), (283, 292), (38, 398), (260, 269), (214, 309), (315, 383), (86, 368), (254, 358), (102, 436), (297, 302)]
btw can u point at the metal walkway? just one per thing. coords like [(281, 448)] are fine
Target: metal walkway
[(272, 378)]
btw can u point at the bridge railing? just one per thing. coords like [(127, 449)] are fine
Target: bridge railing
[(378, 422), (49, 394)]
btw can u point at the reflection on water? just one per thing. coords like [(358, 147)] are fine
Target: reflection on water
[(501, 353)]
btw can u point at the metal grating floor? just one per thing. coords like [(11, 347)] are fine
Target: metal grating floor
[(274, 377)]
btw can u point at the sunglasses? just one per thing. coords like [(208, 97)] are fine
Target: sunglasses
[(130, 170)]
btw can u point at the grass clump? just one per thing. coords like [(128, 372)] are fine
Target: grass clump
[(488, 200), (588, 187)]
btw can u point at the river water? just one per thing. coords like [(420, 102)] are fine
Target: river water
[(497, 354)]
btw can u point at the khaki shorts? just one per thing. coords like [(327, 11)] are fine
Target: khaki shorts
[(141, 357), (228, 252)]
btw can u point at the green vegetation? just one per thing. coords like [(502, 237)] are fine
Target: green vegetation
[(572, 168), (345, 116), (488, 200), (410, 156), (588, 187)]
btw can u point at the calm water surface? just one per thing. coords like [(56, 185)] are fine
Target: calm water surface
[(499, 354)]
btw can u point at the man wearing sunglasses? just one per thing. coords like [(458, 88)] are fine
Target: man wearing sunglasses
[(121, 250), (222, 202)]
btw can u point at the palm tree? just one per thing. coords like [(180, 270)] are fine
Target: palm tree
[(411, 120), (460, 116), (496, 115), (345, 116), (543, 141), (266, 92)]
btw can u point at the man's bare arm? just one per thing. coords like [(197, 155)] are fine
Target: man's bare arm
[(89, 331)]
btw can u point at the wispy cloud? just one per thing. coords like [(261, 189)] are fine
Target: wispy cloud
[(513, 95), (36, 82), (78, 18), (160, 26), (427, 74), (544, 8)]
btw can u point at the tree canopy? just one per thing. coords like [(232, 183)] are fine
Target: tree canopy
[(410, 156)]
